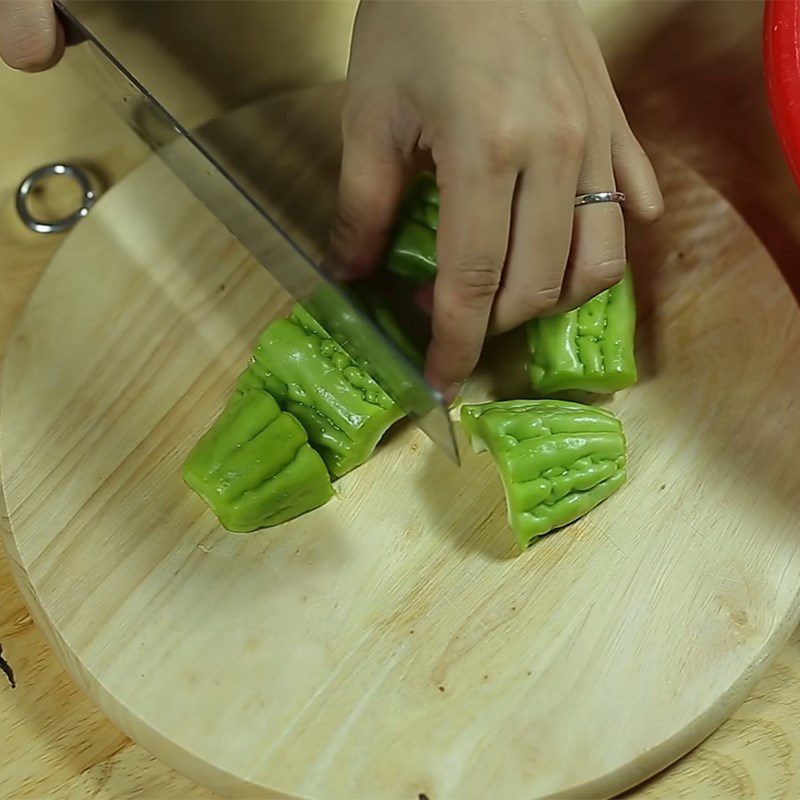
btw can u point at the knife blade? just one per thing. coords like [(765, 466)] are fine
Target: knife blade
[(254, 226)]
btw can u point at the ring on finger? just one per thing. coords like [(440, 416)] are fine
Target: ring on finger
[(599, 197)]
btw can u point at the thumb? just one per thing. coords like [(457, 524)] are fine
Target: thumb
[(31, 38), (371, 184)]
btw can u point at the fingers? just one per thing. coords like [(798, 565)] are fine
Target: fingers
[(371, 184), (597, 257), (472, 240), (540, 245), (31, 38), (558, 256), (636, 177)]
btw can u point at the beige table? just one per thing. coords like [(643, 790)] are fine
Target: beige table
[(691, 76)]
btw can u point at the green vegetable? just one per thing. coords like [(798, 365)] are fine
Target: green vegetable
[(425, 191), (254, 467), (408, 336), (344, 411), (589, 348), (412, 250), (387, 322), (557, 459)]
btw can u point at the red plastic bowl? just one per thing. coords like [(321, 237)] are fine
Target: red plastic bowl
[(782, 70)]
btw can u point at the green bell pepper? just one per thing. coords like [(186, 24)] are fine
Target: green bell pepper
[(344, 411), (590, 348), (254, 466), (412, 250), (557, 459)]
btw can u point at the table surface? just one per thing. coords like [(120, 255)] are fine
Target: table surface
[(707, 105)]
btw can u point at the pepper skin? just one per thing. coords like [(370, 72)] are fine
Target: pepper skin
[(590, 348), (557, 459), (412, 251), (254, 466), (344, 411)]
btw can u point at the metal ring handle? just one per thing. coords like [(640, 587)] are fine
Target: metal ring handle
[(599, 197), (59, 225)]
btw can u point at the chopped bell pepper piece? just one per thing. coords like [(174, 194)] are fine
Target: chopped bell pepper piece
[(557, 460), (254, 466), (590, 348), (344, 411), (412, 251)]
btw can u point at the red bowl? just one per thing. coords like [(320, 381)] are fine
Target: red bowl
[(782, 70)]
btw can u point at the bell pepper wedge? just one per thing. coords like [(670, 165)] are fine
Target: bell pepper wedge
[(557, 459), (588, 349), (344, 411), (412, 249), (254, 466)]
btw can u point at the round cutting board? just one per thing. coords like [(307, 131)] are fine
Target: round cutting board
[(389, 644)]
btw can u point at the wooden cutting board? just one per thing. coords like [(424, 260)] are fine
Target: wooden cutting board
[(389, 644)]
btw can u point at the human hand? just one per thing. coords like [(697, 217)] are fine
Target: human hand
[(513, 102), (31, 37)]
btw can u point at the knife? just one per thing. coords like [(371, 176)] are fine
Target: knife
[(255, 227)]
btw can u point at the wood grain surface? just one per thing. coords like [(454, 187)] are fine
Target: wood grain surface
[(707, 105), (321, 649)]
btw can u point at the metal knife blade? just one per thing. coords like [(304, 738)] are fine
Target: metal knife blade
[(254, 226)]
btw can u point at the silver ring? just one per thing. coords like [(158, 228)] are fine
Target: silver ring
[(599, 197), (59, 225)]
